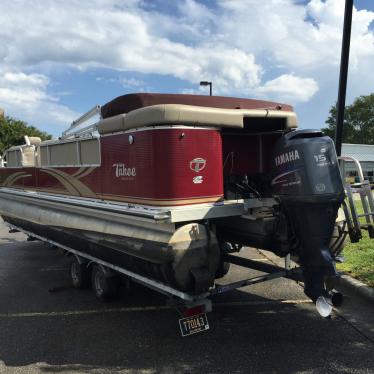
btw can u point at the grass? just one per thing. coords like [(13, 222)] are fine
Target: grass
[(359, 257)]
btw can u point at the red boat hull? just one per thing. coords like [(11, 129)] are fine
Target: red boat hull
[(162, 167)]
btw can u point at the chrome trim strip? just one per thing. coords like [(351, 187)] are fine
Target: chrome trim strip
[(155, 215), (164, 127), (184, 213), (52, 166)]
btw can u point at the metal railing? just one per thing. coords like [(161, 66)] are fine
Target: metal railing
[(363, 188), (74, 127)]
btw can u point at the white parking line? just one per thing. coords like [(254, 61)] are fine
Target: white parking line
[(144, 309), (258, 303), (80, 312)]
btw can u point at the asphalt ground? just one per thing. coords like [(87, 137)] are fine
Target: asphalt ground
[(48, 327)]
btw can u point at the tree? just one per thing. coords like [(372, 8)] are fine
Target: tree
[(358, 125), (12, 132)]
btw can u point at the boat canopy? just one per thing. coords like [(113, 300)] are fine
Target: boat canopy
[(128, 103), (139, 110), (191, 115)]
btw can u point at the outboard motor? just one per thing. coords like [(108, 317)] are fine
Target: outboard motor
[(307, 182)]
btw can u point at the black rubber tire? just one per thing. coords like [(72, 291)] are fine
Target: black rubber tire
[(79, 274), (223, 269), (337, 299), (104, 287)]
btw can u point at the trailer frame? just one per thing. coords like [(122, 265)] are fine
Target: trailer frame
[(183, 301)]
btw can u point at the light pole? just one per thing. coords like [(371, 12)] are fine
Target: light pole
[(206, 83), (343, 75)]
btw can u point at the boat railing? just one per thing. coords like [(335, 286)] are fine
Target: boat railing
[(363, 188)]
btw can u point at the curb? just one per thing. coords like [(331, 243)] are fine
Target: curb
[(356, 286), (344, 281)]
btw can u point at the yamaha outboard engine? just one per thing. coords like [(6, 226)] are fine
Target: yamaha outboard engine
[(307, 182)]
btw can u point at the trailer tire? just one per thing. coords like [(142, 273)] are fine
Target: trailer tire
[(104, 286), (80, 274), (223, 269)]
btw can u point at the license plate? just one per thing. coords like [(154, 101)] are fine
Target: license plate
[(194, 324)]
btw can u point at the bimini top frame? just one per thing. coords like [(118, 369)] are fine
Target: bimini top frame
[(96, 110)]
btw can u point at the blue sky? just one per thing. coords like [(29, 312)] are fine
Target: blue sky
[(60, 58)]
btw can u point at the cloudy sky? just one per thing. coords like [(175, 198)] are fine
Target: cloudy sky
[(60, 58)]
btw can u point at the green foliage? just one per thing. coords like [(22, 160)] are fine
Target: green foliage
[(12, 132), (359, 257), (358, 121)]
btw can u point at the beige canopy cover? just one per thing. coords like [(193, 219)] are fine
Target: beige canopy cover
[(189, 115)]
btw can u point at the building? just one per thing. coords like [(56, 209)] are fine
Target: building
[(1, 113), (364, 153)]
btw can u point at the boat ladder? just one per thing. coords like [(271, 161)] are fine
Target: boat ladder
[(363, 188)]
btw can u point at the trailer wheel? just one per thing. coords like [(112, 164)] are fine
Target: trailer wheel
[(223, 269), (79, 273), (104, 286)]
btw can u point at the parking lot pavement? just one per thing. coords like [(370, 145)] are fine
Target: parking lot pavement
[(46, 326)]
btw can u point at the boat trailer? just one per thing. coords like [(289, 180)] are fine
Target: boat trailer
[(191, 308)]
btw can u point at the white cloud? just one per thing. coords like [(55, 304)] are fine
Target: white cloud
[(289, 86), (329, 18), (127, 82), (132, 82), (25, 96), (236, 44), (38, 80), (122, 39)]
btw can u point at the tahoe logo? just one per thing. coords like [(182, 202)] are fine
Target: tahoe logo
[(197, 164), (287, 157), (123, 171)]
